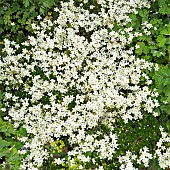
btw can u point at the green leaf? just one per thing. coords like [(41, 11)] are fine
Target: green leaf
[(164, 9), (157, 110), (26, 3), (168, 26), (146, 50), (167, 92), (142, 47), (22, 131), (162, 78), (42, 10), (3, 143), (168, 126), (165, 108), (1, 94), (7, 128), (152, 47), (163, 72), (156, 53), (161, 3), (4, 152), (26, 14), (166, 82), (13, 155), (46, 4), (133, 16), (161, 40), (142, 38), (143, 13), (147, 57), (18, 145), (165, 32), (13, 158)]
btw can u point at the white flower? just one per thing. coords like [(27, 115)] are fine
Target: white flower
[(137, 46), (58, 161), (39, 17)]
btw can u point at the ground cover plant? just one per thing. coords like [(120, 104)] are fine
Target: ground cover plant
[(87, 87)]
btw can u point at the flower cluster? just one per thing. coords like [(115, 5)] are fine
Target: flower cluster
[(163, 150), (144, 157), (73, 75), (127, 161)]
